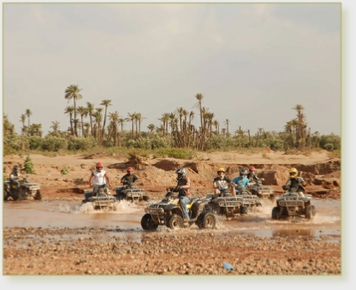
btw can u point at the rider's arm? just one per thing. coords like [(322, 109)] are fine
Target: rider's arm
[(91, 179), (107, 180), (135, 178)]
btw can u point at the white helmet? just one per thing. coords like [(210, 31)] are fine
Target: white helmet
[(181, 171)]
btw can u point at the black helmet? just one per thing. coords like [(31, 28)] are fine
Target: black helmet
[(243, 171), (16, 167)]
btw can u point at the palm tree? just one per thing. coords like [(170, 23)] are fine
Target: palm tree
[(198, 105), (90, 108), (151, 127), (55, 127), (131, 117), (180, 112), (165, 120), (23, 120), (98, 117), (28, 113), (7, 126), (70, 110), (138, 121), (216, 125), (105, 103), (121, 122), (227, 122), (83, 112), (73, 92), (114, 117)]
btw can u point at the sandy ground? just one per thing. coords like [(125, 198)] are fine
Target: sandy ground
[(36, 251)]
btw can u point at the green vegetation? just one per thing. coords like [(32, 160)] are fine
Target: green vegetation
[(95, 129), (28, 166), (64, 171)]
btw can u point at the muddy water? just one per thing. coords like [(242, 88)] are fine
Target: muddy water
[(124, 219)]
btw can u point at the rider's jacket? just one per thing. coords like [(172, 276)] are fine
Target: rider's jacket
[(252, 177), (183, 191), (222, 183), (99, 177), (297, 183), (14, 176), (129, 179)]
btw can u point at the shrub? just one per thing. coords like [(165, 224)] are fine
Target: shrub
[(28, 166), (52, 143), (81, 143), (35, 142), (64, 171)]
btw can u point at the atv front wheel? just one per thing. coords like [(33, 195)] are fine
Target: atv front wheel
[(310, 212), (175, 222), (6, 195), (275, 213), (38, 195), (206, 221), (147, 223)]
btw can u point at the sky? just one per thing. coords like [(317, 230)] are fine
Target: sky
[(253, 63)]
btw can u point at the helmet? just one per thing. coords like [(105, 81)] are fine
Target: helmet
[(293, 172), (243, 171), (16, 167), (129, 169), (181, 171), (221, 170), (252, 168), (99, 164)]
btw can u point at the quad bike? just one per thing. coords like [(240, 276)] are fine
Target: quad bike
[(293, 204), (168, 212), (130, 192), (102, 199), (233, 206), (256, 188), (24, 191)]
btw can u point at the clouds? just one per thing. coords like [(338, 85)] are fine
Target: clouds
[(157, 54)]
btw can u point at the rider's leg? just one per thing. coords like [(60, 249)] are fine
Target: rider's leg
[(183, 202)]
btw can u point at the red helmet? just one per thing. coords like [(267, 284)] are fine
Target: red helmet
[(252, 168), (129, 169), (99, 164)]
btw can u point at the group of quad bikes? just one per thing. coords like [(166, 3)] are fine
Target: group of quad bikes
[(203, 210), (168, 212)]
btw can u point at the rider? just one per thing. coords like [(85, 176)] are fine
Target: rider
[(98, 178), (252, 176), (241, 182), (15, 179), (295, 183), (221, 184), (129, 178), (183, 187)]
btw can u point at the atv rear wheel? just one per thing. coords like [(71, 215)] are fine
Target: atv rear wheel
[(310, 212), (275, 213), (38, 195), (175, 222), (206, 221), (147, 223)]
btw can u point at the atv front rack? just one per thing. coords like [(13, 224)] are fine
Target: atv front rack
[(230, 202), (135, 193), (102, 201)]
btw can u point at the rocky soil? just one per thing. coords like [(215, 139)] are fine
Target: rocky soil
[(55, 251)]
